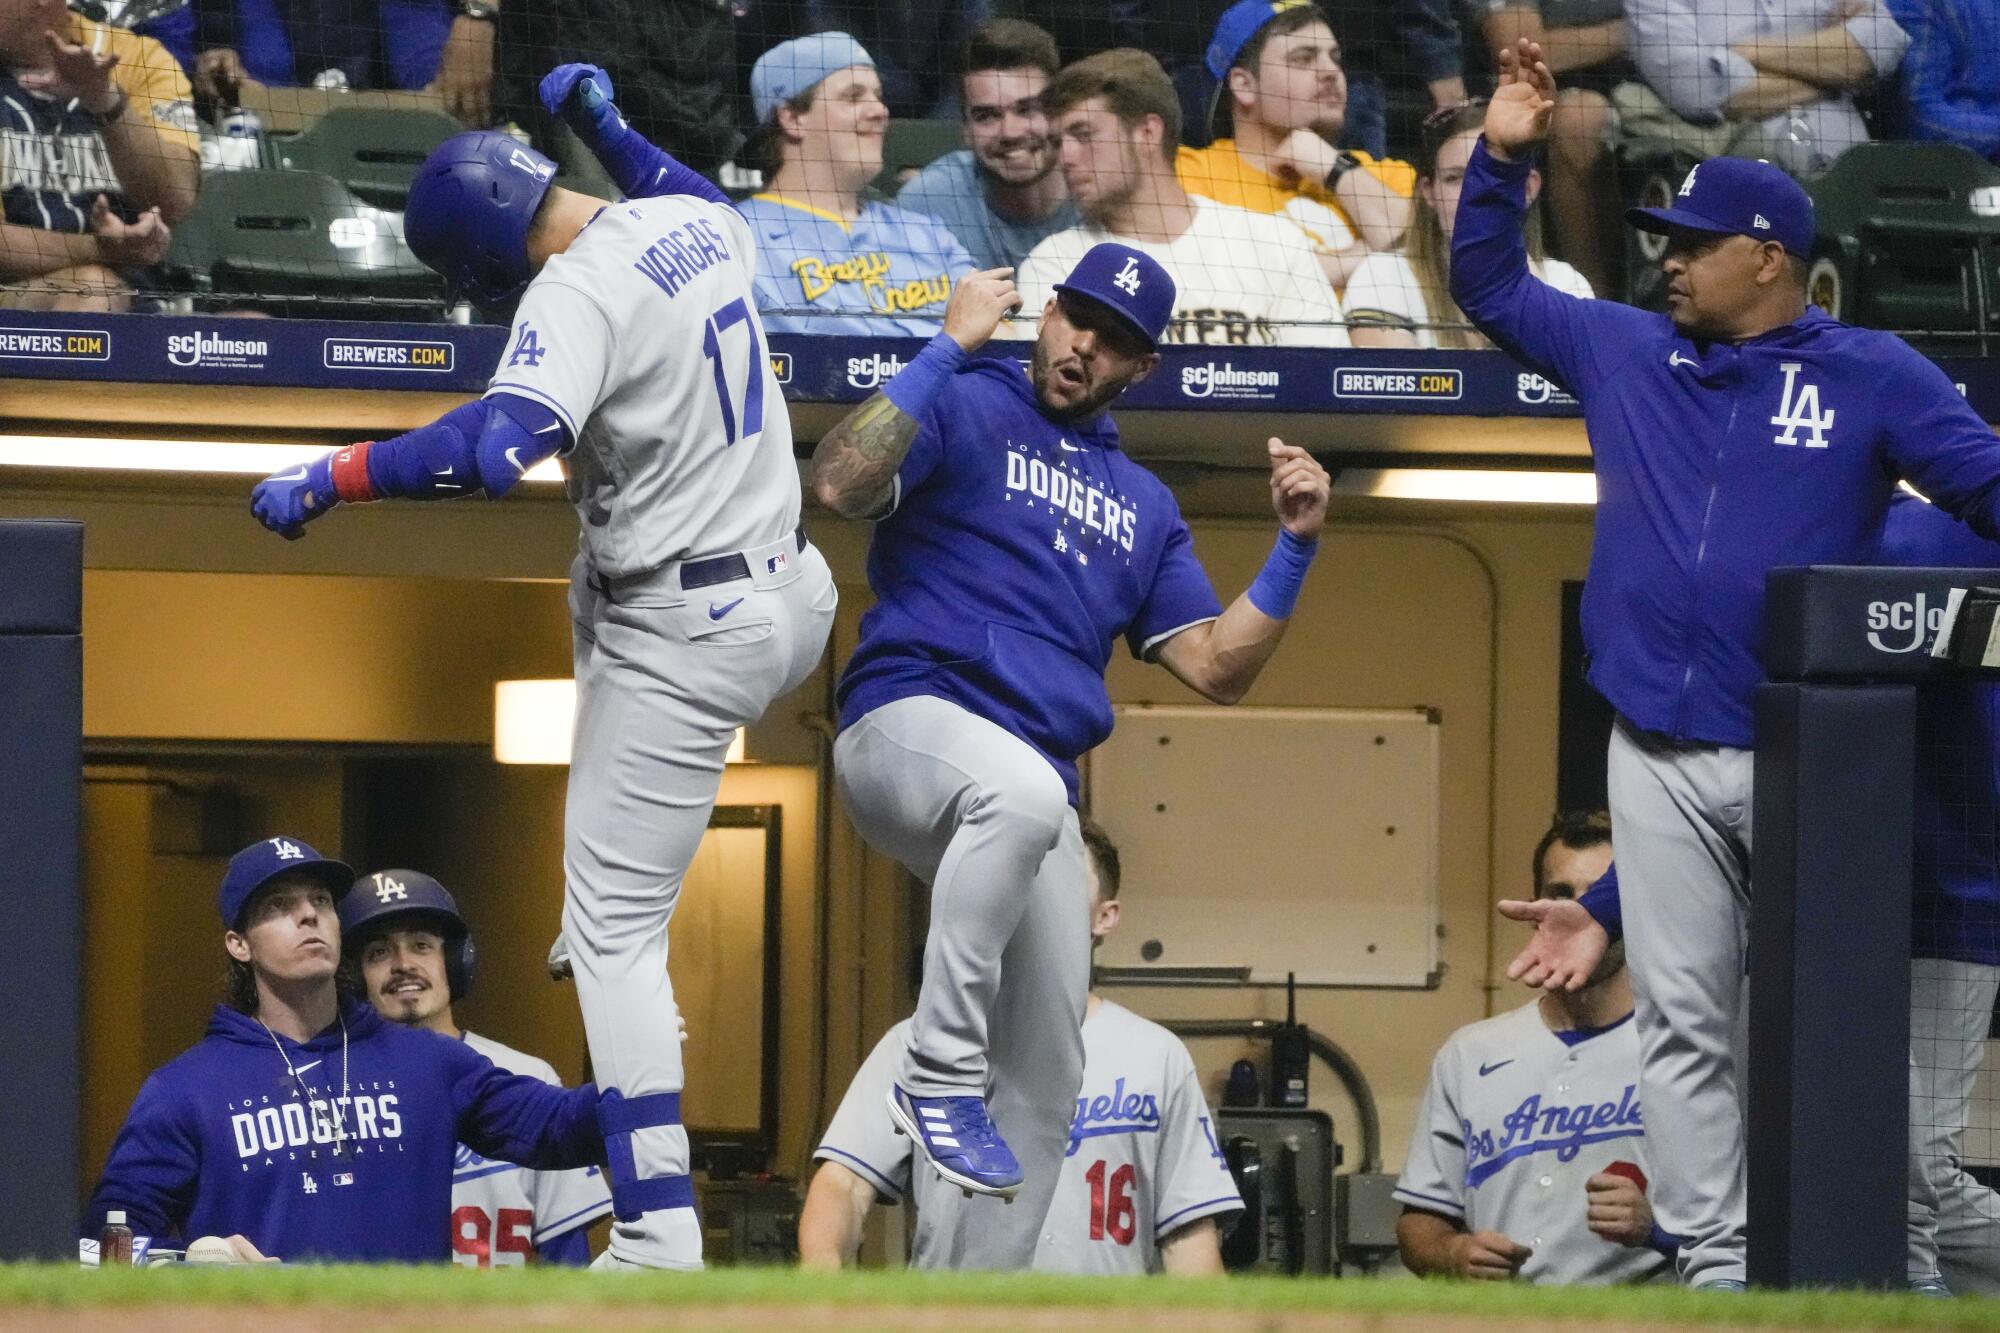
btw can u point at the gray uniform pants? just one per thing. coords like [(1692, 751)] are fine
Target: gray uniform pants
[(983, 819), (1680, 828), (1951, 1009), (662, 685)]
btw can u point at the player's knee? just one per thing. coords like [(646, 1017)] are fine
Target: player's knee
[(1034, 800)]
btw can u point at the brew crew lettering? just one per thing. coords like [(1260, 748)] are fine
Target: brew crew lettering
[(817, 277)]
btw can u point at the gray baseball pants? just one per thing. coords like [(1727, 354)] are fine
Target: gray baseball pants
[(1951, 1010), (662, 685), (981, 817), (1680, 829)]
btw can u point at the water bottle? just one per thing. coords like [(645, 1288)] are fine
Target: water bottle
[(114, 1242), (242, 137)]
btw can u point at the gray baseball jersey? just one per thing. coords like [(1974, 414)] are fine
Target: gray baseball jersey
[(1142, 1162), (643, 337), (1514, 1121), (500, 1211)]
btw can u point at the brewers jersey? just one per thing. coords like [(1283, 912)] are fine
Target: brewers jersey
[(644, 338), (1516, 1118), (1221, 172), (500, 1211), (888, 273), (1240, 278), (1143, 1159)]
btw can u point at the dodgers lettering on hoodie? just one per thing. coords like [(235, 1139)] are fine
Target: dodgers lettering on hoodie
[(223, 1141), (1716, 463)]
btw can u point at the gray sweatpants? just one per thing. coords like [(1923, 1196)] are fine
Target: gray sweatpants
[(1680, 829), (982, 818), (662, 685), (1951, 1009)]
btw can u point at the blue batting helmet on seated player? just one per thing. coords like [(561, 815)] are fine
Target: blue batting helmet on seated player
[(409, 898), (469, 211), (1128, 282)]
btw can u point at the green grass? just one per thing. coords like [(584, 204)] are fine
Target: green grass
[(404, 1290)]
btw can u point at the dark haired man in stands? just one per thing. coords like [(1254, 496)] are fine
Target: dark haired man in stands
[(1001, 193), (1774, 80), (100, 158), (1287, 101)]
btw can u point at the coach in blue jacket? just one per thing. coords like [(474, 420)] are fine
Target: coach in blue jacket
[(305, 1123), (1741, 431)]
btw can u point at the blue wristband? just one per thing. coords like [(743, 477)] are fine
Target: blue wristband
[(918, 384), (1276, 589)]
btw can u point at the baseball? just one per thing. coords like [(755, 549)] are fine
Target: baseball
[(211, 1250)]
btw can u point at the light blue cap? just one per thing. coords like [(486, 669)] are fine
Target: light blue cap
[(793, 67)]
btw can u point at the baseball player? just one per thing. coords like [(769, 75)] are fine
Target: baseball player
[(1740, 431), (638, 354), (1014, 544), (415, 955), (1530, 1158), (1143, 1182), (302, 1123)]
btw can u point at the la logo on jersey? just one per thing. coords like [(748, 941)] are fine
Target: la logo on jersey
[(1127, 279), (527, 348), (387, 889), (287, 851), (311, 1186), (1800, 411)]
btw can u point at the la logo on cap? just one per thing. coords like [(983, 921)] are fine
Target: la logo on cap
[(1128, 277), (1687, 186), (287, 851), (387, 888)]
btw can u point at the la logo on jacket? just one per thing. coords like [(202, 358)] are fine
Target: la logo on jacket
[(1799, 410)]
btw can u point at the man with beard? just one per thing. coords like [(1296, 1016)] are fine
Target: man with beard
[(402, 931), (1001, 194), (1530, 1155), (1014, 545), (1241, 278), (1281, 82)]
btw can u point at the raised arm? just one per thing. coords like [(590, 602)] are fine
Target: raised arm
[(580, 96), (856, 464), (518, 1118), (1222, 658)]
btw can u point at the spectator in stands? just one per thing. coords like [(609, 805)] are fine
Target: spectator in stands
[(832, 261), (1286, 95), (1404, 299), (101, 159), (337, 45), (1001, 194), (1500, 1182), (1774, 80), (1584, 42), (1951, 75), (912, 41), (1242, 277)]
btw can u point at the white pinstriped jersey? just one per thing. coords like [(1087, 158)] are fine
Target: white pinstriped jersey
[(500, 1211), (1514, 1121), (1143, 1160)]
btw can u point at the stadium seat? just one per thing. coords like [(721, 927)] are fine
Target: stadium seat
[(1650, 172), (1909, 238), (374, 151), (299, 243)]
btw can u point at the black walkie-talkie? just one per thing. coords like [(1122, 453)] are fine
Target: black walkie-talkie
[(1290, 1052)]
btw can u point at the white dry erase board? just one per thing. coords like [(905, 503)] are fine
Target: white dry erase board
[(1279, 840)]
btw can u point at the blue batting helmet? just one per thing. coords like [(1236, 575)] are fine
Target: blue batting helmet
[(469, 210), (377, 900)]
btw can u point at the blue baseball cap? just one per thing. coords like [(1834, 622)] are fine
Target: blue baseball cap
[(261, 862), (1734, 196), (1238, 24), (1129, 282), (790, 68)]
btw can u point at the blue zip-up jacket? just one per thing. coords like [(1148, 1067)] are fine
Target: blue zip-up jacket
[(1716, 462), (222, 1140), (1957, 905)]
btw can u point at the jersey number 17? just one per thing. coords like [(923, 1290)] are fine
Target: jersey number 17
[(736, 312)]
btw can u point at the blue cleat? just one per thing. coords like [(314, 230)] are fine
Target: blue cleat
[(960, 1140)]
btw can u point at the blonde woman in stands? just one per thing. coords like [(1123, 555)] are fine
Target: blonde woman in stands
[(1403, 299)]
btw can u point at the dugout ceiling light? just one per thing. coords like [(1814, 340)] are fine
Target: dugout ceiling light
[(1487, 486), (532, 722), (216, 457)]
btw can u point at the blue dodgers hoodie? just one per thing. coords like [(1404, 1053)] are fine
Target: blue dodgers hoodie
[(1716, 463), (226, 1139)]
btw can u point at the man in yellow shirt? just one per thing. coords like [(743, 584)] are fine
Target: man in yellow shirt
[(1278, 64)]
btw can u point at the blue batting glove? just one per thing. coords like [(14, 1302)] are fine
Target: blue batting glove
[(286, 501), (581, 96)]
